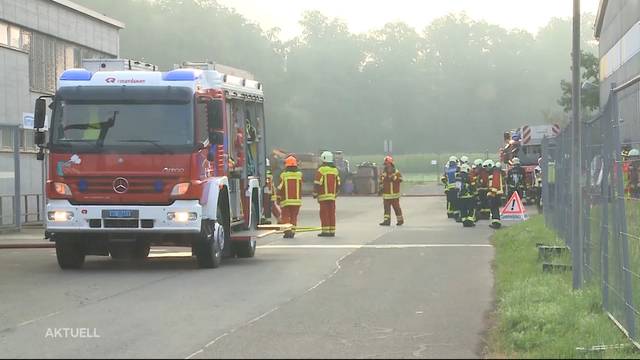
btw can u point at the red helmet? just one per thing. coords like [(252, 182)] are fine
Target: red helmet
[(290, 161), (388, 160)]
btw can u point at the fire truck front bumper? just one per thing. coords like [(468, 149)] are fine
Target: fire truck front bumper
[(181, 217)]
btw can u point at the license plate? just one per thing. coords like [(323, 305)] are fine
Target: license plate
[(119, 214)]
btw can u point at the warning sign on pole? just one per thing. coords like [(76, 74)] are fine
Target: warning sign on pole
[(514, 209)]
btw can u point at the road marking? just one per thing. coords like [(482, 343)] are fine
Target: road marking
[(369, 246), (38, 319)]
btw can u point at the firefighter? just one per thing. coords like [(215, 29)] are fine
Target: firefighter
[(537, 183), (326, 185), (290, 194), (634, 173), (516, 179), (390, 180), (495, 193), (450, 174), (482, 185), (466, 197)]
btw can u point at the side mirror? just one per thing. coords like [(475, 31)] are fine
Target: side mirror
[(39, 113), (214, 114), (39, 137)]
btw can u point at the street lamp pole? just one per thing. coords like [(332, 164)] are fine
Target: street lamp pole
[(576, 170)]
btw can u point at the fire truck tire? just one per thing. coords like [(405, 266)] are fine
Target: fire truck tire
[(209, 245), (245, 248), (70, 253)]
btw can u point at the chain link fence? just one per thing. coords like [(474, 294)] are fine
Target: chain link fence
[(606, 247)]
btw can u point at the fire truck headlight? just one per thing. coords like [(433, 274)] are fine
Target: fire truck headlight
[(60, 216), (62, 188), (180, 189), (182, 216)]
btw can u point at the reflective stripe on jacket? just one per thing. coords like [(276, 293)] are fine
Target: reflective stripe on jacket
[(496, 182), (289, 189), (390, 183), (327, 182)]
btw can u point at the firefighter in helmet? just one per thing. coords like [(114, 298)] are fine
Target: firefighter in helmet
[(326, 185), (450, 174), (390, 180), (516, 179), (290, 194), (466, 197), (496, 190)]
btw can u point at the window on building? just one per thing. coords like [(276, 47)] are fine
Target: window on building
[(4, 33), (26, 40), (7, 138), (69, 57), (50, 57), (28, 141), (14, 36)]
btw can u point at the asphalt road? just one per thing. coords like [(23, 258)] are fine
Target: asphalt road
[(422, 290)]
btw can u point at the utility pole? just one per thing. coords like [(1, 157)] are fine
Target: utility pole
[(576, 161)]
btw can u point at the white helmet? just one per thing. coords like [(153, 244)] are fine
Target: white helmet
[(464, 159), (498, 165), (464, 168), (477, 162), (326, 156), (515, 161), (634, 152), (488, 163), (453, 158)]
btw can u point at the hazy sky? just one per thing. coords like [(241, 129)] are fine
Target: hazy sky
[(363, 15)]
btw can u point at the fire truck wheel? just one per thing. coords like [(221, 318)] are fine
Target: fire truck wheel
[(209, 245), (245, 248), (70, 253)]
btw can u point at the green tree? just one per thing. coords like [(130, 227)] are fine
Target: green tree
[(590, 88)]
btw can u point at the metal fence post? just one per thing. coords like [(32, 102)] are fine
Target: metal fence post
[(545, 180), (17, 215), (605, 123)]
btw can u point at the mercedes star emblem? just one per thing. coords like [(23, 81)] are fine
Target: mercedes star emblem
[(120, 185)]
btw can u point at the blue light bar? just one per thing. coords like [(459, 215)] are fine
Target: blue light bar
[(76, 75), (181, 75)]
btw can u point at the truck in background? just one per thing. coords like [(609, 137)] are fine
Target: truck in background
[(525, 143), (143, 158)]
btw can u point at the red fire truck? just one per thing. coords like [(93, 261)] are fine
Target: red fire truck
[(525, 143), (141, 158)]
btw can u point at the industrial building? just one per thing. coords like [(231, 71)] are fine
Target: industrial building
[(618, 31)]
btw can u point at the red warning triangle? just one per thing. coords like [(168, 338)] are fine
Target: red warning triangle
[(514, 209)]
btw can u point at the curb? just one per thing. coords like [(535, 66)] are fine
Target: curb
[(39, 245)]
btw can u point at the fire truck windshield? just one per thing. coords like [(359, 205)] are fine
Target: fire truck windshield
[(132, 127)]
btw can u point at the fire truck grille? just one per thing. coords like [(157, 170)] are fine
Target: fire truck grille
[(135, 186)]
